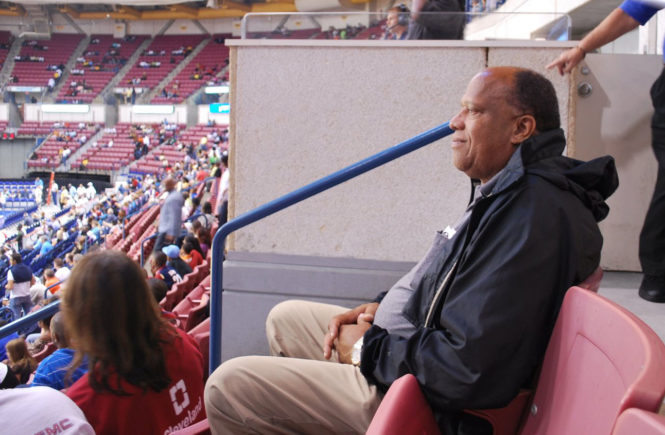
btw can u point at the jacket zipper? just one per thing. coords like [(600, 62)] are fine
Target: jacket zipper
[(439, 291), (438, 294)]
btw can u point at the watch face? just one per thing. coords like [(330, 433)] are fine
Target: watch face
[(355, 352), (355, 357)]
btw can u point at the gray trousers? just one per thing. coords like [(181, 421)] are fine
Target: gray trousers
[(300, 394)]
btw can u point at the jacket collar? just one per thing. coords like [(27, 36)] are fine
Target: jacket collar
[(538, 147)]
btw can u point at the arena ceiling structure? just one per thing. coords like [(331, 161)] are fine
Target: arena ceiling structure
[(170, 9)]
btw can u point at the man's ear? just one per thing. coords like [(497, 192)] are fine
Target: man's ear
[(524, 128)]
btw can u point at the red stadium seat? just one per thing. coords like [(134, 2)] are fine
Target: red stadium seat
[(635, 421), (201, 334), (601, 360)]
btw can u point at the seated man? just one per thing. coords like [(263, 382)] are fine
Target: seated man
[(161, 270), (472, 320), (397, 22), (175, 262), (52, 371)]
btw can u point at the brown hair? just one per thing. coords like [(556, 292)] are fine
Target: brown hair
[(114, 320), (19, 356), (204, 236)]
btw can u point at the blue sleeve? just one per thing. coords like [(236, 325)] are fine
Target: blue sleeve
[(638, 10), (49, 374)]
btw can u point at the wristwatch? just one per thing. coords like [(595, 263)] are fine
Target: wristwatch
[(355, 352)]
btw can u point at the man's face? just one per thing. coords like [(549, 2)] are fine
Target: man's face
[(391, 20), (484, 137)]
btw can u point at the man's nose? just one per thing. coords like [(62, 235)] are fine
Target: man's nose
[(457, 122)]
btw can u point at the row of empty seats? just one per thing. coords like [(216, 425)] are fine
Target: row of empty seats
[(194, 134), (212, 58), (61, 137), (101, 60), (35, 128), (38, 57), (157, 160), (6, 40), (160, 60), (114, 150)]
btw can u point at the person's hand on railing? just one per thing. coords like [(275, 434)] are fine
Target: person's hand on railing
[(361, 315)]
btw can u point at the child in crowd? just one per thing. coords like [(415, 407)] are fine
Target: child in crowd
[(204, 240), (161, 269), (173, 254), (37, 341), (20, 360), (190, 255)]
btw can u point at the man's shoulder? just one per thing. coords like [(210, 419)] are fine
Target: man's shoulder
[(60, 356), (541, 193)]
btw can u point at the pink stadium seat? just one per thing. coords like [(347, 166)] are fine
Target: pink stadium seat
[(403, 411), (601, 360), (635, 421), (206, 282), (198, 313), (191, 301), (200, 328), (202, 270), (201, 334), (177, 292)]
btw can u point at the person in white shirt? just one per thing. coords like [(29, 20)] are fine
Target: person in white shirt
[(19, 281), (61, 271), (223, 192), (50, 411)]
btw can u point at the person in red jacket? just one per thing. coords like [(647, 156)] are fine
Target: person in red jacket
[(145, 376)]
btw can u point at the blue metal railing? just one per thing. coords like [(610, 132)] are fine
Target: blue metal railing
[(154, 236), (288, 200), (30, 319)]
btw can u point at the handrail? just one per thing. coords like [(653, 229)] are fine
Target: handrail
[(47, 289), (288, 200), (30, 319), (153, 236)]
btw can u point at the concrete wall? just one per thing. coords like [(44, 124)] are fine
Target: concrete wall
[(615, 120), (304, 109), (254, 283), (13, 157)]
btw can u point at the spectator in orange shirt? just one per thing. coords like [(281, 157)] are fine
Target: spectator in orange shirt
[(50, 279)]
